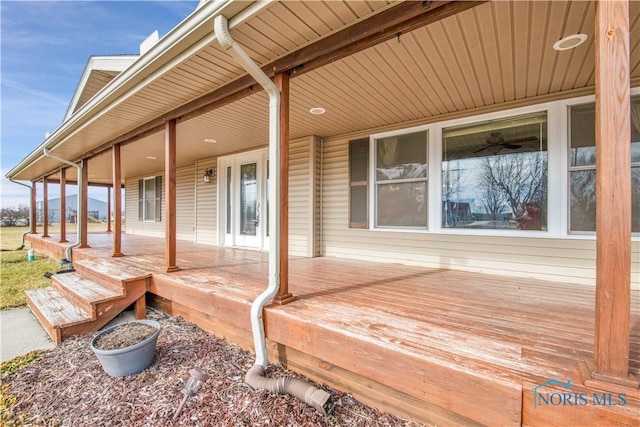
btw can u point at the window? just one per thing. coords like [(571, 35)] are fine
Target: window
[(582, 167), (150, 199), (401, 180), (494, 174), (359, 183)]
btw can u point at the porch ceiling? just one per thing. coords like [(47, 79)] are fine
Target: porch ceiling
[(495, 53)]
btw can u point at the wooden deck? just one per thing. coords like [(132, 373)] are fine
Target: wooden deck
[(441, 346)]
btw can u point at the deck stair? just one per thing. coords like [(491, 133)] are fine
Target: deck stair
[(87, 299)]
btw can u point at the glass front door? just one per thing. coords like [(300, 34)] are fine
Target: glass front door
[(244, 191)]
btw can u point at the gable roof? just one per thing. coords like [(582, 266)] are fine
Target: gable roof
[(98, 72)]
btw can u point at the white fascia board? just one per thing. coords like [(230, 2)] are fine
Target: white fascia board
[(162, 57)]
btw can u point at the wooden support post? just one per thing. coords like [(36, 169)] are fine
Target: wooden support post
[(34, 209), (284, 296), (610, 369), (140, 307), (45, 208), (117, 202), (108, 209), (83, 211), (170, 195), (63, 205)]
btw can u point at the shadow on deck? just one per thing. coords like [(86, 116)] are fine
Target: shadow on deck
[(440, 346)]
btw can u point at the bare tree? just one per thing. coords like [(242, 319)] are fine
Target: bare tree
[(12, 216)]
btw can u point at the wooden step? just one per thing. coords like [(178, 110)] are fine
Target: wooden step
[(87, 299), (84, 292), (109, 272), (55, 311)]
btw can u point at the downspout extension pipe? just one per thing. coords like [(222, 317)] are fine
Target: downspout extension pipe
[(317, 398), (30, 208), (309, 394), (79, 225)]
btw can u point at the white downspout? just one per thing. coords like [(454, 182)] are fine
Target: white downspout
[(79, 222), (313, 396), (31, 208), (223, 36)]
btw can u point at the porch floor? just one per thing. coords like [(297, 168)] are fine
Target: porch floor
[(455, 347)]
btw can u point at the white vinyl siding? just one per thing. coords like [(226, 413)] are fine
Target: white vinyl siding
[(301, 197), (131, 205), (553, 255), (185, 203), (206, 203)]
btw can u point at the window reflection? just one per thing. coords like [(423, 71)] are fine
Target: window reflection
[(582, 167), (401, 180), (494, 174)]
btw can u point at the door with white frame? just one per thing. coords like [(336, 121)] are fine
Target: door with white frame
[(243, 200)]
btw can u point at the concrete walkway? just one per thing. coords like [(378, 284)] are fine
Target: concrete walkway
[(20, 333)]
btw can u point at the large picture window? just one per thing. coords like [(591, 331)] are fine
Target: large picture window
[(494, 174), (150, 199), (582, 167), (401, 180)]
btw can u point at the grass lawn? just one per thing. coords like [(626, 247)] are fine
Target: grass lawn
[(17, 273)]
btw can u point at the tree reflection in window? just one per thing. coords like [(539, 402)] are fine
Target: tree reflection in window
[(582, 168), (494, 174)]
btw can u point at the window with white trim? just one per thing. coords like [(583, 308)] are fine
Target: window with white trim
[(400, 180), (150, 199), (494, 174), (582, 167)]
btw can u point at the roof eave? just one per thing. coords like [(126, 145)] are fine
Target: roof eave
[(199, 24)]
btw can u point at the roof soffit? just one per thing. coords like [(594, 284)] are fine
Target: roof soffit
[(153, 64)]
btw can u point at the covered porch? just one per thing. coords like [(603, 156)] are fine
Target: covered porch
[(440, 346)]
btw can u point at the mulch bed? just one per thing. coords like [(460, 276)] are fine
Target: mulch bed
[(67, 386)]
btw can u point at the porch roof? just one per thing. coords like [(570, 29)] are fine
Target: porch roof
[(493, 55)]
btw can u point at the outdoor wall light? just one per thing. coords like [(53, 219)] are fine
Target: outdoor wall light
[(208, 175), (198, 376)]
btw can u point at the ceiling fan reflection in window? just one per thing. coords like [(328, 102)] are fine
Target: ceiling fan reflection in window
[(495, 142)]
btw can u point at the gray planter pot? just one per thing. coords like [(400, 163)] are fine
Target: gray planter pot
[(129, 360)]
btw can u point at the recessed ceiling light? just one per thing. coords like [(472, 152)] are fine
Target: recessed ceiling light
[(569, 42), (210, 140), (317, 110), (152, 158)]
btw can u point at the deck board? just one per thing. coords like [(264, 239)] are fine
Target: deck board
[(504, 334)]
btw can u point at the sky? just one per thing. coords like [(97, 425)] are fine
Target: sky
[(44, 48)]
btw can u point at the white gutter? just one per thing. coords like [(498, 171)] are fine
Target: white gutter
[(81, 218), (129, 82), (308, 393), (31, 208)]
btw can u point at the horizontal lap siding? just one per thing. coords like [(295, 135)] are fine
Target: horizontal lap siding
[(185, 203), (300, 197), (133, 225), (206, 205), (556, 259)]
